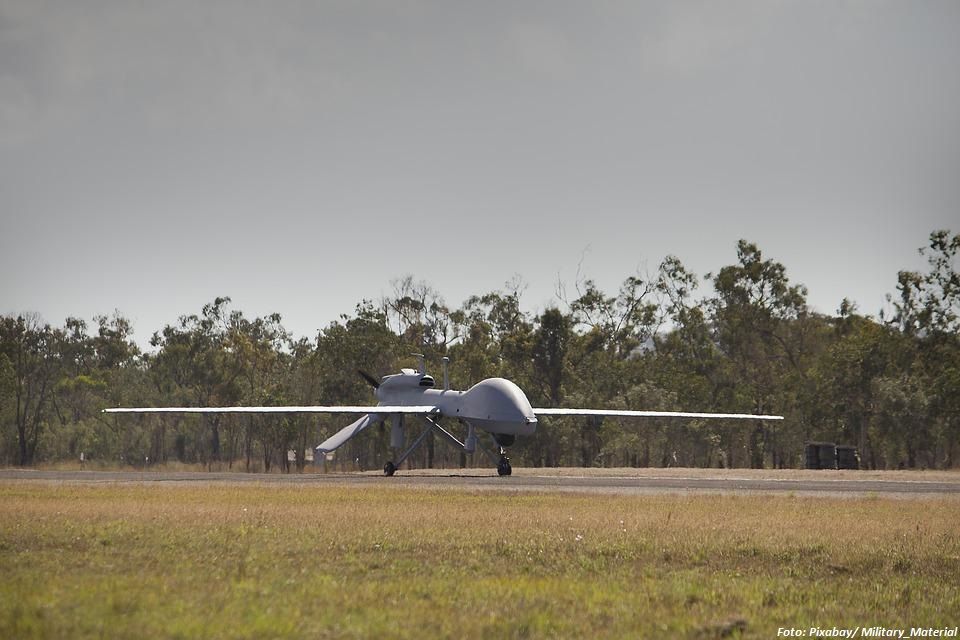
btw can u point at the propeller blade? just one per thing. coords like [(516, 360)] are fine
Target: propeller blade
[(373, 382)]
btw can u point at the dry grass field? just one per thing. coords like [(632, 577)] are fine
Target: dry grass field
[(275, 561)]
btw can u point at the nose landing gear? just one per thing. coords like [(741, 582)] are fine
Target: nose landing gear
[(503, 467)]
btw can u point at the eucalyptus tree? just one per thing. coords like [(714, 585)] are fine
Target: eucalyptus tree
[(100, 369), (418, 314), (8, 429), (77, 395), (688, 360), (759, 322), (192, 367), (301, 386), (254, 350), (930, 302), (688, 368), (550, 361), (29, 351), (927, 310), (844, 404), (495, 338)]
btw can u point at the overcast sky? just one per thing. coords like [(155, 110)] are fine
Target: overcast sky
[(298, 156)]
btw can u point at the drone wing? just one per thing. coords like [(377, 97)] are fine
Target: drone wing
[(373, 415), (309, 409), (652, 414)]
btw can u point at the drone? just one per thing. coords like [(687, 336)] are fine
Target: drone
[(495, 406)]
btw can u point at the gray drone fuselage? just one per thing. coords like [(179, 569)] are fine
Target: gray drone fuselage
[(495, 405)]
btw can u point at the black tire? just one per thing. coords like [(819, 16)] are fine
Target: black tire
[(504, 468), (389, 469)]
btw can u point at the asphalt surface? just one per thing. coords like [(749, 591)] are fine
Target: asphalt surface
[(698, 481)]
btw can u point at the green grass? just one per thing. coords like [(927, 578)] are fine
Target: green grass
[(263, 561)]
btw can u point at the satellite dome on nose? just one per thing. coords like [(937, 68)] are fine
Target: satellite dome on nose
[(498, 406)]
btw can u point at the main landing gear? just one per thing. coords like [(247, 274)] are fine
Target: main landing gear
[(503, 466)]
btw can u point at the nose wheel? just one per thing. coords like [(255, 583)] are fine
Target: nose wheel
[(503, 467), (389, 469)]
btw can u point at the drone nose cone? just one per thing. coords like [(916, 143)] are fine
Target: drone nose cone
[(499, 406)]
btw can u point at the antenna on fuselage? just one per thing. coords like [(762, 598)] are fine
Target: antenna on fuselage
[(423, 363), (446, 374)]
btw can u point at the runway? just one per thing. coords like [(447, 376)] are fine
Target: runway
[(903, 484)]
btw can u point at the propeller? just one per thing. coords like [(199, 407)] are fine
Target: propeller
[(369, 378)]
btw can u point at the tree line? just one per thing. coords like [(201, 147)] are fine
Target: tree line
[(888, 384)]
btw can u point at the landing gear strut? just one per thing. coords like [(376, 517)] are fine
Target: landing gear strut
[(503, 466)]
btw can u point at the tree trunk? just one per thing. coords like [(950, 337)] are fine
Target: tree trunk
[(215, 440), (756, 448)]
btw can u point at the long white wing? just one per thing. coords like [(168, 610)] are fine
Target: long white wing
[(316, 409), (651, 414)]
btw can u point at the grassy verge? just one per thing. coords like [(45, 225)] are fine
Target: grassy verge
[(323, 562)]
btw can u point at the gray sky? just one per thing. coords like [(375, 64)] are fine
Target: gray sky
[(297, 156)]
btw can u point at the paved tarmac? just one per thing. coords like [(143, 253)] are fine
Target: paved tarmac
[(734, 481)]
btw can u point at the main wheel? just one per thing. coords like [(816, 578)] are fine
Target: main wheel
[(389, 469), (503, 467)]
